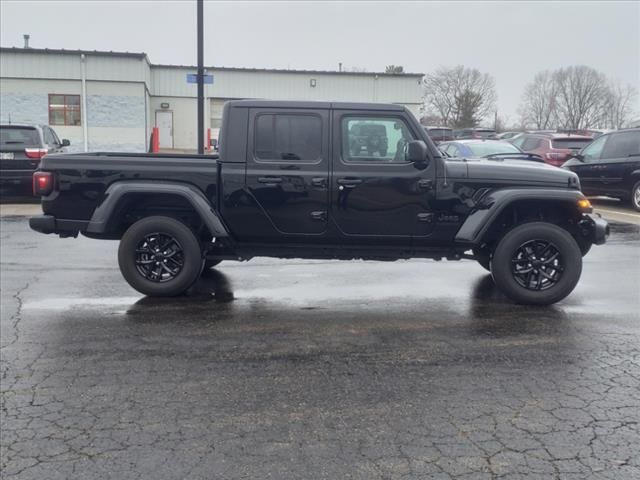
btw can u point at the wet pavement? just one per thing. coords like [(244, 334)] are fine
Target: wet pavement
[(301, 369)]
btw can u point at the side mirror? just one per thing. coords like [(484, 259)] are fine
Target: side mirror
[(65, 143), (417, 153), (579, 156)]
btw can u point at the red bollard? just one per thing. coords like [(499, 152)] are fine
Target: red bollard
[(208, 145), (155, 140)]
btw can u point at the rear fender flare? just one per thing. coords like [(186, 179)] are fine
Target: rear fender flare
[(493, 204), (117, 191)]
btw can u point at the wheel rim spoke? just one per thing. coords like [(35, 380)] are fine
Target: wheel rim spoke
[(153, 253), (537, 265)]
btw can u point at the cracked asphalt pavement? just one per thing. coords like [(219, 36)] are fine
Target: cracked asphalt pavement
[(314, 370)]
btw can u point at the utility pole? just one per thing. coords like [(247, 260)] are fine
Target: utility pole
[(200, 77)]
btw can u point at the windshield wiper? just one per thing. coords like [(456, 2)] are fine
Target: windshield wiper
[(12, 142), (502, 156)]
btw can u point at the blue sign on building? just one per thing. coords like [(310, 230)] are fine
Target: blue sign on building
[(193, 78)]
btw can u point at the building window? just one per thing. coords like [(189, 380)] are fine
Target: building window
[(64, 109)]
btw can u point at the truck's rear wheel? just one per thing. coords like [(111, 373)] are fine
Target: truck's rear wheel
[(537, 263), (160, 256)]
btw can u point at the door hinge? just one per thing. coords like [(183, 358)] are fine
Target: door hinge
[(425, 217), (319, 215)]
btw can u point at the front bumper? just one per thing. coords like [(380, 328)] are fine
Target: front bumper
[(597, 228)]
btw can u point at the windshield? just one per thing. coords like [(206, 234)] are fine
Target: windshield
[(572, 143), (18, 137), (491, 148)]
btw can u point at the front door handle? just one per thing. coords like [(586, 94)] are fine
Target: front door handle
[(349, 182), (270, 180), (319, 215)]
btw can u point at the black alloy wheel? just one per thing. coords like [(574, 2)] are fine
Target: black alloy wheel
[(159, 257), (537, 265)]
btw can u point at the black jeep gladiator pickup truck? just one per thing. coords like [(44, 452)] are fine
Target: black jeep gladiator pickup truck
[(288, 184)]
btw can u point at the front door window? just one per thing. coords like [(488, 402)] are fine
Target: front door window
[(370, 139)]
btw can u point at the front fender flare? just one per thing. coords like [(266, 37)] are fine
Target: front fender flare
[(493, 204), (117, 191)]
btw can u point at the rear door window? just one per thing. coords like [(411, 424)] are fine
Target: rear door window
[(518, 142), (288, 137), (48, 136), (16, 138), (592, 152), (531, 143), (622, 145)]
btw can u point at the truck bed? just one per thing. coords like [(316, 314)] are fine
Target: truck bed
[(82, 178)]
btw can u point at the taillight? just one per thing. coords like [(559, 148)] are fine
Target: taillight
[(35, 153), (42, 183)]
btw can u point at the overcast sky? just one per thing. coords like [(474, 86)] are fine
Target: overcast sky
[(511, 41)]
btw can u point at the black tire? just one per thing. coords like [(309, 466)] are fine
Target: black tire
[(137, 255), (211, 262), (543, 281), (483, 257), (635, 197)]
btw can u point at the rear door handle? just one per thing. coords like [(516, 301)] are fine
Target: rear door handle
[(319, 182), (349, 182), (425, 184), (270, 180)]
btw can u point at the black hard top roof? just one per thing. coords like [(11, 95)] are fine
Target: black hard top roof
[(315, 105)]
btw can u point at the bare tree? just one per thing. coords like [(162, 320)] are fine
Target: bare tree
[(538, 108), (581, 97), (394, 69), (460, 96), (619, 105), (430, 119)]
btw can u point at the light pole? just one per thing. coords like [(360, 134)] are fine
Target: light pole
[(200, 77)]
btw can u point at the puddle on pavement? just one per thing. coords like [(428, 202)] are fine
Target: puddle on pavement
[(67, 303)]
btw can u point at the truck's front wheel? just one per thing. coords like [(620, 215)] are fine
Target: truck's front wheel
[(537, 263), (160, 256)]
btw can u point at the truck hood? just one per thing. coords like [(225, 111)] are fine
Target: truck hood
[(513, 172)]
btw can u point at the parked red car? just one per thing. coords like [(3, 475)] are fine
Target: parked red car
[(554, 148)]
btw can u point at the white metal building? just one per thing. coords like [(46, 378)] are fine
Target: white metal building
[(112, 100)]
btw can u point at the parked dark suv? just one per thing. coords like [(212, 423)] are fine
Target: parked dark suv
[(610, 166), (367, 139), (21, 148)]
